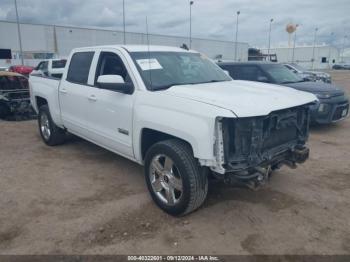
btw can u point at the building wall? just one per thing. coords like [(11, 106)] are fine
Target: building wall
[(303, 56), (60, 40)]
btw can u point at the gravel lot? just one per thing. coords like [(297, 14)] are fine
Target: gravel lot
[(80, 199)]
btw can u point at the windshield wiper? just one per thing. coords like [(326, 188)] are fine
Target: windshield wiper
[(288, 82), (179, 84)]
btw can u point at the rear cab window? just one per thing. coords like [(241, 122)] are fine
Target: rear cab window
[(59, 63), (79, 67)]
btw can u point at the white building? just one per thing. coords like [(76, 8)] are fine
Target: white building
[(324, 55), (45, 41)]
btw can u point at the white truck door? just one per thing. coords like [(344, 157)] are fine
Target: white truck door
[(110, 112), (74, 94)]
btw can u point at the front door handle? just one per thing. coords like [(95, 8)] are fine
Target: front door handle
[(92, 98)]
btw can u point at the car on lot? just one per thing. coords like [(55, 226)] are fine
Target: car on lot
[(20, 69), (341, 66), (178, 114), (309, 75), (50, 68), (14, 95), (4, 68), (333, 105)]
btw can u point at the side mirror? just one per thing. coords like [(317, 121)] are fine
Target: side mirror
[(114, 83), (262, 79)]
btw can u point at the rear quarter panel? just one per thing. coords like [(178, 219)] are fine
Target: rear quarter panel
[(47, 88)]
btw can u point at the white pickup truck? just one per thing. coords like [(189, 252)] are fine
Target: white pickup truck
[(50, 67), (178, 114)]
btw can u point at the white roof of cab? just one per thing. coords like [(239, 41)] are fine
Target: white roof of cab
[(141, 48)]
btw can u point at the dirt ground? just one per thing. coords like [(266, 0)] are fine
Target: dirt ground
[(80, 199)]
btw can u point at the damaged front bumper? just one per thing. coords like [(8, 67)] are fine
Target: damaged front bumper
[(251, 148)]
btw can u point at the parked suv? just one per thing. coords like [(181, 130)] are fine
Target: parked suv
[(178, 114), (333, 105)]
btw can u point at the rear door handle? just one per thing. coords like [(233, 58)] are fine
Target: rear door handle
[(63, 91), (92, 98)]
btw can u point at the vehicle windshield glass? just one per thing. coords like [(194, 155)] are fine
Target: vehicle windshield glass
[(298, 67), (282, 75), (59, 63), (161, 70)]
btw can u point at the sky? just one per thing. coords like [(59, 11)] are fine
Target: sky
[(213, 19)]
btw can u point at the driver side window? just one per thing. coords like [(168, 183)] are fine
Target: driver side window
[(110, 64)]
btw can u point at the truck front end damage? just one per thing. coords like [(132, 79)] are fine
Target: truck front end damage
[(250, 148)]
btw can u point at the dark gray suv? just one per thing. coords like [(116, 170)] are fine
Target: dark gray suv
[(333, 105)]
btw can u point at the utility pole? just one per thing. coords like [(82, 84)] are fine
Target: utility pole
[(191, 3), (124, 22), (238, 12), (329, 50), (294, 42), (19, 34), (268, 50), (343, 48), (313, 48)]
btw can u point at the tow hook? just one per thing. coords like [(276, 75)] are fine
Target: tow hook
[(264, 174), (300, 154)]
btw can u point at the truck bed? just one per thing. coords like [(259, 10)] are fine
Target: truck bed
[(47, 88)]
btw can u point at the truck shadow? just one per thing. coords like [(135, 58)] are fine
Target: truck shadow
[(324, 128)]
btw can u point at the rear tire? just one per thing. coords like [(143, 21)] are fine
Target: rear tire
[(51, 134), (176, 182)]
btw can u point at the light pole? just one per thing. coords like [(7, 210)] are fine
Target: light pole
[(295, 39), (268, 50), (343, 48), (313, 48), (191, 3), (329, 50), (19, 34), (124, 39), (238, 12)]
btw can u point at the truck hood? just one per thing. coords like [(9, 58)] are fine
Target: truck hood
[(243, 98)]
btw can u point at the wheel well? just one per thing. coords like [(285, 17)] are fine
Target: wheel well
[(40, 101), (149, 137)]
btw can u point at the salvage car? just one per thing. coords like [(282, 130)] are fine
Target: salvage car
[(14, 95), (50, 68), (178, 114), (333, 105), (342, 65), (309, 75), (20, 69)]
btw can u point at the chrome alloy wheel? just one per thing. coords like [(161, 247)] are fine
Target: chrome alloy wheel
[(45, 126), (166, 180)]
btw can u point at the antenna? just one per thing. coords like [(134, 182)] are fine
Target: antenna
[(149, 55)]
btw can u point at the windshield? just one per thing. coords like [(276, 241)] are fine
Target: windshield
[(161, 70), (282, 75)]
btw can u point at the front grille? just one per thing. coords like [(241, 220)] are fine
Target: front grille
[(249, 141), (338, 113)]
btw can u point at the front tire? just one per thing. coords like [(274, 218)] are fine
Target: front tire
[(51, 134), (176, 182)]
